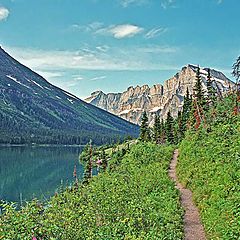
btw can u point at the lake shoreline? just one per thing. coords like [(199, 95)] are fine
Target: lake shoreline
[(37, 171), (40, 145)]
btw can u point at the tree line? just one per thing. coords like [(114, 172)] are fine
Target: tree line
[(198, 110)]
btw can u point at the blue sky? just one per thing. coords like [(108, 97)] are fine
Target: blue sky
[(87, 45)]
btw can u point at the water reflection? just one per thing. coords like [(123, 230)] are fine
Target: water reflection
[(27, 172)]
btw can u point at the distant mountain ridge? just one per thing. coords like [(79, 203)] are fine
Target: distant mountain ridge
[(33, 110), (158, 99)]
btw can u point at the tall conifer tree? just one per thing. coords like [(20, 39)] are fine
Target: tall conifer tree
[(179, 129), (88, 167), (163, 133), (236, 74), (157, 129), (199, 101), (198, 90), (169, 125), (104, 160), (211, 98), (144, 130), (187, 105)]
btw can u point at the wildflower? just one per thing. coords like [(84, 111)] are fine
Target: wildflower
[(99, 161), (75, 171)]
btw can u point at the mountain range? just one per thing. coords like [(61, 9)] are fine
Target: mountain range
[(34, 111), (158, 99)]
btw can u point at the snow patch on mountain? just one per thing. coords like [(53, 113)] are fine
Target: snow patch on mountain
[(70, 95), (15, 80), (70, 100), (155, 109), (125, 112), (37, 84)]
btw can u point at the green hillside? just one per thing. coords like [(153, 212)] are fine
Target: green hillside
[(136, 200), (209, 164)]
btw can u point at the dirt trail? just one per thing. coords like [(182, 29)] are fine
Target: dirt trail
[(193, 229)]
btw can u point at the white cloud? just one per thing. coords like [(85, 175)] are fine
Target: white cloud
[(126, 3), (158, 49), (4, 12), (168, 4), (127, 30), (219, 1), (121, 31), (97, 78), (103, 48), (95, 25), (78, 78), (75, 80), (87, 28), (54, 63), (48, 74), (155, 32), (117, 31), (164, 3)]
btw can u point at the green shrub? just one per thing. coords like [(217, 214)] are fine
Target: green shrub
[(209, 164), (134, 200)]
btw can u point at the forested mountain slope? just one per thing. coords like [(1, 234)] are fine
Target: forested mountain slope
[(33, 110)]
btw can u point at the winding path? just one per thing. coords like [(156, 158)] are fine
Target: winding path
[(193, 229)]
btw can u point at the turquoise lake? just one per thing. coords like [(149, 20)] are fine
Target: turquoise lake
[(36, 171)]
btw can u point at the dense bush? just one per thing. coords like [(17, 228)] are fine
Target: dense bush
[(209, 164), (134, 199)]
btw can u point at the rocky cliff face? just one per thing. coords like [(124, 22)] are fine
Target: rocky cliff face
[(158, 99)]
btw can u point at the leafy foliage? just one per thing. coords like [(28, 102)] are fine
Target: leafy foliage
[(209, 166), (134, 199)]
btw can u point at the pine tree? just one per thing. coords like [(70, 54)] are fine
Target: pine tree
[(163, 133), (179, 128), (104, 160), (187, 105), (84, 157), (144, 130), (236, 74), (211, 98), (236, 69), (157, 129), (198, 90), (88, 167), (199, 101), (169, 126)]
